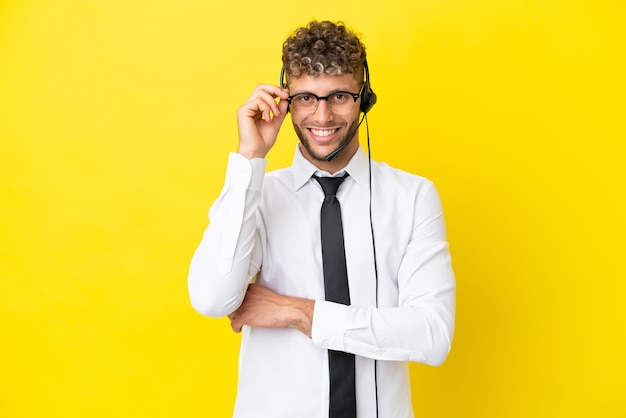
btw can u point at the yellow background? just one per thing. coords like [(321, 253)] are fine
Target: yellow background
[(115, 122)]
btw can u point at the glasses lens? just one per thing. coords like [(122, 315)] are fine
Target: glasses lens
[(303, 102), (340, 102)]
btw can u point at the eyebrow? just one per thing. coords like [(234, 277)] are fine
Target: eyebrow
[(345, 90)]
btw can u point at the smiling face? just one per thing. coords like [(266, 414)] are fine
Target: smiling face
[(322, 131)]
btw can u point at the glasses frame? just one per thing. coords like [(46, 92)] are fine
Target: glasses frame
[(355, 96)]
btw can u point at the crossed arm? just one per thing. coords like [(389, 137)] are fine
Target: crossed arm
[(264, 308)]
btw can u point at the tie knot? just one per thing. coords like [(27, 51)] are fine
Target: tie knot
[(330, 185)]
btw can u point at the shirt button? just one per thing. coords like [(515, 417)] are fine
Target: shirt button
[(325, 344), (379, 352)]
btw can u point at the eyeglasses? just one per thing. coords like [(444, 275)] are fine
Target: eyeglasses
[(338, 102)]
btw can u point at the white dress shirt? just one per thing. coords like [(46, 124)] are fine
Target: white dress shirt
[(268, 226)]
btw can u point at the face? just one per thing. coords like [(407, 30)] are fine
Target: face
[(321, 131)]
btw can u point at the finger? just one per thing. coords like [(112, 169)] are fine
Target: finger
[(259, 108), (271, 107), (264, 97), (283, 106), (274, 91), (236, 327)]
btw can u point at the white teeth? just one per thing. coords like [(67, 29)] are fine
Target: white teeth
[(323, 132)]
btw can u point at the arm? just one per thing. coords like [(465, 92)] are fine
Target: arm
[(419, 325), (418, 329), (267, 309), (229, 254)]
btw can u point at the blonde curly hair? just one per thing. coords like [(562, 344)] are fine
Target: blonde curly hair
[(323, 48)]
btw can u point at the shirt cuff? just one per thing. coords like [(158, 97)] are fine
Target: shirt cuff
[(329, 325), (244, 173)]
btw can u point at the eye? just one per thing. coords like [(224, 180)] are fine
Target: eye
[(339, 97), (304, 98)]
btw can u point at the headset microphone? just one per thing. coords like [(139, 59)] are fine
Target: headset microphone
[(336, 152), (368, 99)]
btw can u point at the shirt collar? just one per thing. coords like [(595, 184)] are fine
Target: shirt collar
[(303, 169)]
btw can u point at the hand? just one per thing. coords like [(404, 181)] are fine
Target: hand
[(259, 120), (265, 308)]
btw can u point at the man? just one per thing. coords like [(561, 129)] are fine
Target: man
[(270, 229)]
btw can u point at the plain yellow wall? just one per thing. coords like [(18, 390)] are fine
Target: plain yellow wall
[(115, 122)]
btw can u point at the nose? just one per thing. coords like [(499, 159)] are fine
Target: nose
[(322, 111)]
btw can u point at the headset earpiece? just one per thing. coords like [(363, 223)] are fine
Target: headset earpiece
[(368, 97), (283, 82)]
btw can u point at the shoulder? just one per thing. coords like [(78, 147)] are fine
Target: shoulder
[(408, 197), (399, 179), (403, 188)]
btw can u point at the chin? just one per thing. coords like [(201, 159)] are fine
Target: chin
[(319, 153)]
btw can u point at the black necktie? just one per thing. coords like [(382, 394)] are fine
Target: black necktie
[(341, 365)]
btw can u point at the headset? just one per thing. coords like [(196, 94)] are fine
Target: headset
[(368, 97)]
